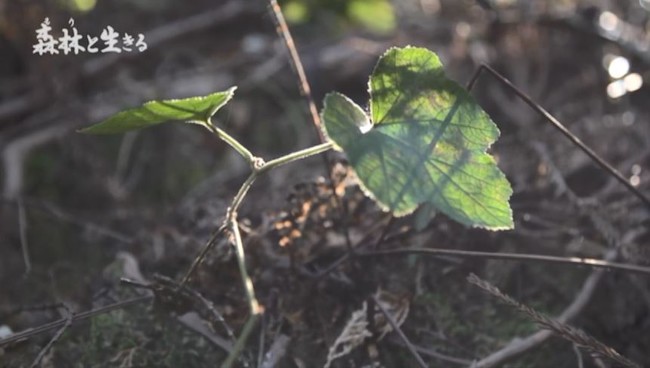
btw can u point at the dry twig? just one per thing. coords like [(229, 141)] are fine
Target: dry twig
[(26, 334), (55, 338), (563, 330)]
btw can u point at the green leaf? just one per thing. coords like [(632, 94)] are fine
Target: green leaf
[(196, 110), (425, 141), (376, 15), (296, 12)]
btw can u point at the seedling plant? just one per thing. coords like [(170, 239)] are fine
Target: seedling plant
[(421, 139)]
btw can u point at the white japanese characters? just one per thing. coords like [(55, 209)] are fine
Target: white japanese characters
[(73, 42)]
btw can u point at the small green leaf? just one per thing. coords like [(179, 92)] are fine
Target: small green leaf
[(193, 109), (425, 141)]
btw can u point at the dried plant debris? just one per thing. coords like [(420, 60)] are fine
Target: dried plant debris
[(313, 210), (356, 330), (576, 336)]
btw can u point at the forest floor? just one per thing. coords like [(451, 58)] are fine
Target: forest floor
[(79, 212)]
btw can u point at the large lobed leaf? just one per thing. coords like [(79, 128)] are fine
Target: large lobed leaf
[(192, 109), (425, 141)]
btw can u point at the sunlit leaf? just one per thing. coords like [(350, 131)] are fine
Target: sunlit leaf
[(425, 141), (193, 109)]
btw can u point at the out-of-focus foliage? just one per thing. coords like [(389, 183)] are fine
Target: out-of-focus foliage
[(376, 16), (81, 6)]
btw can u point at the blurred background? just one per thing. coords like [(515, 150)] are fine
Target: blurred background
[(78, 212)]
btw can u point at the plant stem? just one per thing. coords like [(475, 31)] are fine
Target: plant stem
[(241, 341), (256, 163), (232, 142), (239, 198), (590, 262), (298, 155), (253, 304), (264, 167), (259, 167), (206, 248), (246, 154), (241, 261), (30, 332)]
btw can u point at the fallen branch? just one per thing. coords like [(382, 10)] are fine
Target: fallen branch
[(521, 345), (29, 333), (561, 329), (54, 339), (576, 261)]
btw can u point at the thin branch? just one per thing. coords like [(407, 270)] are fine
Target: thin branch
[(561, 329), (259, 167), (231, 214), (241, 342), (165, 290), (334, 265), (262, 342), (560, 127), (295, 156), (576, 261), (401, 334), (55, 338), (285, 34), (253, 304), (240, 148), (212, 314), (204, 251), (520, 345), (193, 322), (26, 334)]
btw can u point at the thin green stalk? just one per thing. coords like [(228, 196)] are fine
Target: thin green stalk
[(231, 216), (295, 156), (246, 154), (206, 248), (241, 261), (241, 341), (230, 222), (258, 168), (231, 141), (239, 198), (253, 304)]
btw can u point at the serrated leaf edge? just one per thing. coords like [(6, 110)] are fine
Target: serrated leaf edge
[(229, 95)]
